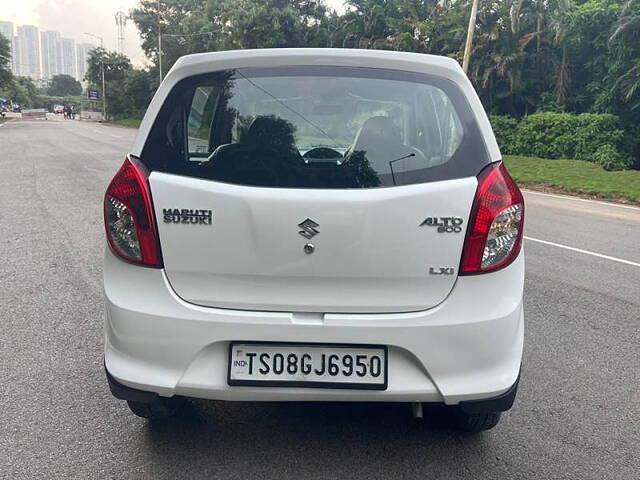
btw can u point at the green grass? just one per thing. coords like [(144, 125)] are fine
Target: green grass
[(128, 122), (575, 176)]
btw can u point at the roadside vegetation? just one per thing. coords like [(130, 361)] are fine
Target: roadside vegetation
[(127, 122), (575, 176), (594, 137)]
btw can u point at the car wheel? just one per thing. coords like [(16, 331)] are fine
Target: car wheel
[(160, 408), (475, 422)]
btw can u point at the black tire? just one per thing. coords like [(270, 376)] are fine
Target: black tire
[(475, 422), (159, 409)]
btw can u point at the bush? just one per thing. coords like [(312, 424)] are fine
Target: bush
[(545, 135), (505, 128), (611, 159), (593, 137)]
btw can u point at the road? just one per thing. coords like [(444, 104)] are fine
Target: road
[(576, 416)]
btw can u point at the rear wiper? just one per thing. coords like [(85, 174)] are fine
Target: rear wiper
[(391, 162)]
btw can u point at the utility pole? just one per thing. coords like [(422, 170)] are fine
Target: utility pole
[(104, 92), (159, 44), (104, 95), (470, 31)]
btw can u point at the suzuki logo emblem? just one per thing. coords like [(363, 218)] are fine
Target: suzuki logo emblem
[(308, 228)]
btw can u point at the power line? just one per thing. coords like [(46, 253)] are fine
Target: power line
[(187, 34)]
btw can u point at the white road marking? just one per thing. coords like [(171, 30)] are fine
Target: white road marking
[(586, 252), (569, 197)]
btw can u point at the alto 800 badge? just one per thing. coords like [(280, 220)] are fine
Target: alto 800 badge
[(444, 224)]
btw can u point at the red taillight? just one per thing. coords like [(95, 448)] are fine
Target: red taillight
[(495, 227), (128, 216)]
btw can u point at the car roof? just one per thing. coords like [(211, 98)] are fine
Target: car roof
[(202, 63)]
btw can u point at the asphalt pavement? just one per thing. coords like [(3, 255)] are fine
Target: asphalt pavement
[(577, 414)]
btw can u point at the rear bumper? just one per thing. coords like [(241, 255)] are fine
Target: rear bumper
[(467, 348), (500, 403)]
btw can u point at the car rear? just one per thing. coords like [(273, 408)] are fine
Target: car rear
[(315, 225)]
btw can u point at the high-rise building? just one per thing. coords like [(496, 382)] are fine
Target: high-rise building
[(68, 57), (15, 55), (28, 51), (6, 29), (51, 54), (82, 52)]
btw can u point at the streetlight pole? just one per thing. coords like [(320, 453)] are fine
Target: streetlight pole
[(470, 32), (104, 92), (95, 36), (159, 44)]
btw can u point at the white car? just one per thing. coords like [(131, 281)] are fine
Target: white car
[(315, 225)]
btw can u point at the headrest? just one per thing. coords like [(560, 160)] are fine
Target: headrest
[(270, 130), (378, 129)]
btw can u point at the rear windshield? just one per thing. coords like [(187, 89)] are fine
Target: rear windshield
[(316, 127)]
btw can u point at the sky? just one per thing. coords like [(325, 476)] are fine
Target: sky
[(72, 18)]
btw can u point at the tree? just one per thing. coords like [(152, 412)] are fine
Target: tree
[(628, 24), (444, 32), (62, 85), (625, 40), (270, 23), (589, 56), (19, 91), (387, 24), (561, 26), (5, 59), (115, 67), (184, 25), (191, 26), (31, 89), (139, 87)]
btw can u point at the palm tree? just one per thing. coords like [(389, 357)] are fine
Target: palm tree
[(561, 25), (497, 62), (628, 24), (629, 85), (531, 10), (627, 35)]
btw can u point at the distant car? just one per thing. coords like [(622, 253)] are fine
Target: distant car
[(16, 109), (58, 109), (315, 225)]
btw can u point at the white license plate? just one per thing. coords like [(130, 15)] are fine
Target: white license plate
[(308, 365)]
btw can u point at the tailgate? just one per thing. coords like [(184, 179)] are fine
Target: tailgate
[(373, 250)]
